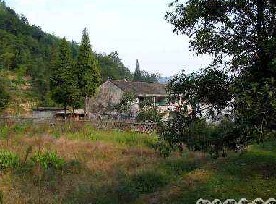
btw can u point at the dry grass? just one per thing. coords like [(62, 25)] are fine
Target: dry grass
[(104, 166), (99, 161)]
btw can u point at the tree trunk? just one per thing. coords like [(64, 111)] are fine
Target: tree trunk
[(85, 106)]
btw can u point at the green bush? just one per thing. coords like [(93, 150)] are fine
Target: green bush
[(149, 114), (163, 147), (148, 181), (8, 160), (4, 132), (199, 135), (48, 160)]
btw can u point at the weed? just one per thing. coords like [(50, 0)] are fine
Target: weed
[(1, 197), (143, 182), (28, 151), (48, 160), (4, 130), (163, 147), (8, 160), (73, 166), (180, 166)]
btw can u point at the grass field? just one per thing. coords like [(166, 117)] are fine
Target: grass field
[(74, 163)]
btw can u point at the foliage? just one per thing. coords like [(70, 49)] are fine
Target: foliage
[(4, 131), (63, 80), (163, 147), (148, 181), (149, 114), (198, 135), (127, 101), (205, 95), (144, 76), (87, 69), (137, 73), (242, 30), (112, 67), (48, 160), (27, 47), (4, 96), (255, 106), (206, 91), (240, 35), (8, 160)]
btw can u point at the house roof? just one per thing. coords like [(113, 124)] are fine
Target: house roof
[(141, 88), (42, 109)]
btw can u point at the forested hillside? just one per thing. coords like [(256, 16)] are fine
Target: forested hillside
[(27, 50)]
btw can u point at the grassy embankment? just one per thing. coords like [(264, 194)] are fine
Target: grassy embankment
[(100, 166)]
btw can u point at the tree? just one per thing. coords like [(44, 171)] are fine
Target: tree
[(137, 73), (241, 30), (149, 77), (112, 67), (241, 37), (207, 92), (201, 96), (124, 107), (144, 76), (87, 69), (63, 80)]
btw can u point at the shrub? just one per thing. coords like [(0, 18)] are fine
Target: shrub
[(163, 147), (48, 160), (8, 160), (4, 132), (149, 114), (199, 135), (130, 187), (148, 181)]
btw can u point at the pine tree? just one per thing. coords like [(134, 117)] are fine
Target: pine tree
[(87, 70), (137, 74), (63, 80)]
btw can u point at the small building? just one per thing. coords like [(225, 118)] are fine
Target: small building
[(111, 92), (77, 114), (45, 112)]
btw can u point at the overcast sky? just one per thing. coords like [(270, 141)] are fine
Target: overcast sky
[(134, 28)]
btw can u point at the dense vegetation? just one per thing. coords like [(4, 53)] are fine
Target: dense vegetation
[(27, 50), (142, 75), (240, 82)]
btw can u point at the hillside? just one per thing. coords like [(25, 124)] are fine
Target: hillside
[(22, 97), (26, 49)]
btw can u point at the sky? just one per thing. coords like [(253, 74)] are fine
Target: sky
[(135, 28)]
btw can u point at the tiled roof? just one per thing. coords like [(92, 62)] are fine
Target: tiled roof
[(141, 88)]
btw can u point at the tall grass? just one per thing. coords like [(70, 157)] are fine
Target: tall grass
[(76, 163)]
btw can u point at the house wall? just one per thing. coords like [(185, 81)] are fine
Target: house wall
[(107, 95), (47, 114)]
